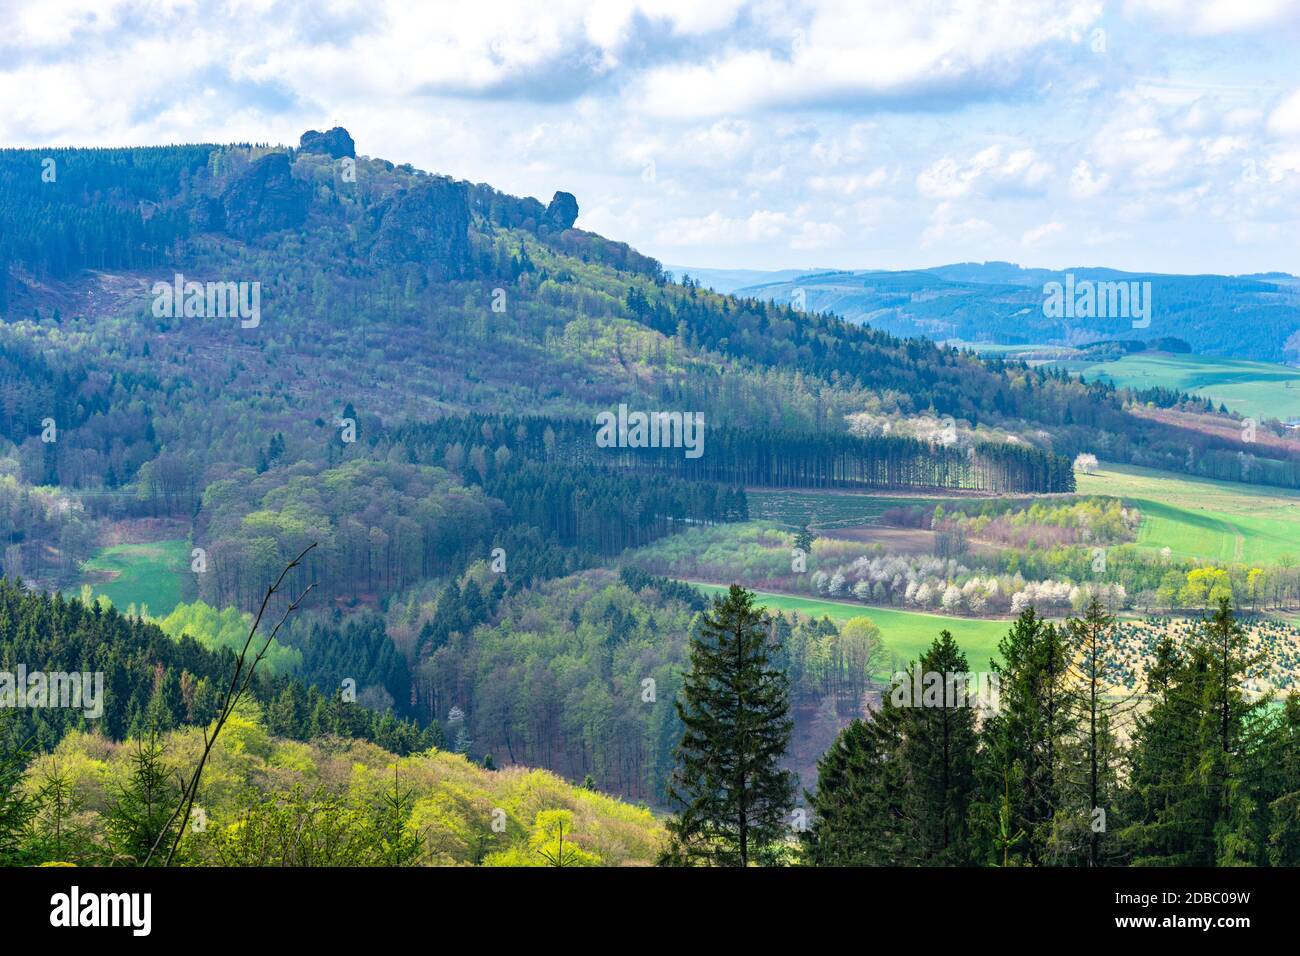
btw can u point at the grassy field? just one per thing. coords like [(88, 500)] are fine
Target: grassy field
[(1203, 518), (826, 510), (150, 574), (906, 633), (1256, 390)]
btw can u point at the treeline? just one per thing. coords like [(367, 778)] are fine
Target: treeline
[(539, 469), (1060, 773), (358, 650), (383, 525), (740, 457), (1035, 764), (151, 682)]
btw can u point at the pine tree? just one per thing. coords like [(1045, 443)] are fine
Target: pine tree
[(734, 707), (142, 808), (56, 834), (1240, 729), (857, 809), (1280, 780), (1021, 743), (1166, 808), (938, 754), (16, 806), (1089, 780), (396, 843), (1198, 761)]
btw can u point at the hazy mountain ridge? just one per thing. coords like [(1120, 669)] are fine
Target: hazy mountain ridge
[(1248, 316)]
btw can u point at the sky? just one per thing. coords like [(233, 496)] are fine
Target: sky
[(1151, 135)]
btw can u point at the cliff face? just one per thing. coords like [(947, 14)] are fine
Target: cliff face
[(264, 198), (427, 224)]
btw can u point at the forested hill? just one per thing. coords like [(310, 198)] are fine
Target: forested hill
[(1256, 317), (405, 296)]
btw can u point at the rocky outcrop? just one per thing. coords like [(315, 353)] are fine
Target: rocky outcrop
[(562, 213), (427, 224), (336, 143), (264, 198)]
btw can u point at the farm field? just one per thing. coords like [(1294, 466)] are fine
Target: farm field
[(1258, 390), (151, 574), (826, 510), (1204, 518), (906, 633)]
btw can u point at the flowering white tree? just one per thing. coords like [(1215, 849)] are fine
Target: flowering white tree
[(951, 598)]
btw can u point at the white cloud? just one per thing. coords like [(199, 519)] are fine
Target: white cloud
[(733, 129), (1285, 118), (1212, 17), (1035, 236), (850, 185), (1084, 184), (863, 50), (992, 167), (946, 227)]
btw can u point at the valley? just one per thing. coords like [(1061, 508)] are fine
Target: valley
[(499, 586)]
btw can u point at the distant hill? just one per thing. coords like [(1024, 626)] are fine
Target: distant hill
[(729, 280), (1252, 317)]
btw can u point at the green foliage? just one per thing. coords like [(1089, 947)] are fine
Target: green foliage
[(731, 795), (226, 629), (1020, 770), (268, 801), (142, 811), (16, 806)]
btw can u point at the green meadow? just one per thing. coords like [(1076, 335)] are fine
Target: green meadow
[(1203, 518), (151, 574), (1258, 390), (824, 509), (907, 634)]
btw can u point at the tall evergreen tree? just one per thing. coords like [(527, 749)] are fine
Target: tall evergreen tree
[(857, 809), (938, 752), (1021, 743), (733, 797), (16, 807), (1089, 779), (1196, 755)]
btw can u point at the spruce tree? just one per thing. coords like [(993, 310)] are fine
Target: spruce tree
[(1197, 774), (1280, 779), (141, 810), (1238, 732), (857, 809), (938, 754), (1165, 807), (1089, 778), (731, 793), (16, 806), (1021, 744)]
